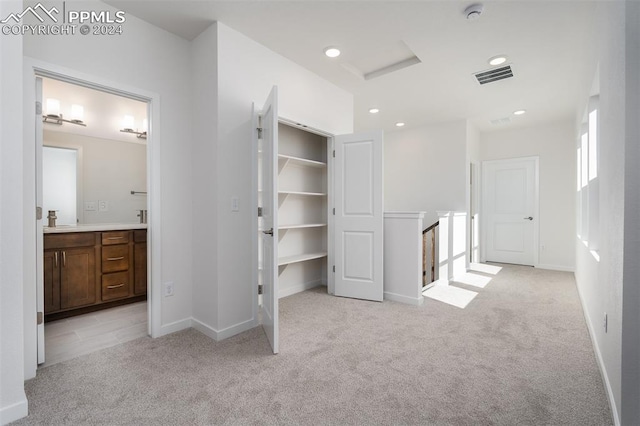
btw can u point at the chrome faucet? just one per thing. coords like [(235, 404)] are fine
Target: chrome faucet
[(142, 214), (52, 218)]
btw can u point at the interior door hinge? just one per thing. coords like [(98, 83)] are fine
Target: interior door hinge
[(259, 211), (38, 213), (334, 268), (259, 129), (334, 211), (334, 153), (260, 288), (38, 107), (40, 318)]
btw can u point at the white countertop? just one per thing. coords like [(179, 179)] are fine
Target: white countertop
[(94, 227)]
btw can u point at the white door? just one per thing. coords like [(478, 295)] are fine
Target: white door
[(269, 233), (39, 234), (510, 208), (358, 224)]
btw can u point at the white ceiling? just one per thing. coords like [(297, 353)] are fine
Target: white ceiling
[(547, 43)]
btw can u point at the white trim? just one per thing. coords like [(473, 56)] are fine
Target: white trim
[(32, 68), (218, 335), (15, 411), (415, 301), (298, 288), (175, 326), (562, 268), (404, 215), (600, 361)]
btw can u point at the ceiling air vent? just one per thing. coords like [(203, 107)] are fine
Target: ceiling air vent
[(501, 121), (495, 74)]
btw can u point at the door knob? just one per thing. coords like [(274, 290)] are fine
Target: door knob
[(269, 232), (529, 218)]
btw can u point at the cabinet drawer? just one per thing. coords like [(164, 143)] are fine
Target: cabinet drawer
[(115, 286), (115, 237), (74, 239), (115, 258)]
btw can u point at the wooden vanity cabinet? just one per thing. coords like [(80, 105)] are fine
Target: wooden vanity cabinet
[(140, 261), (85, 271), (70, 273)]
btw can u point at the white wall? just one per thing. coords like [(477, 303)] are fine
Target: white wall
[(147, 58), (110, 171), (13, 402), (425, 169), (204, 95), (246, 73), (601, 284), (554, 144), (631, 305)]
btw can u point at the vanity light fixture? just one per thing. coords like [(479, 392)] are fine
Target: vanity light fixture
[(128, 123), (332, 52), (54, 116)]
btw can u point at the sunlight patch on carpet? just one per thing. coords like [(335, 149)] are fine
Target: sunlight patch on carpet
[(472, 279), (455, 296), (483, 267)]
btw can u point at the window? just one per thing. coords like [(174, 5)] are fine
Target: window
[(587, 185)]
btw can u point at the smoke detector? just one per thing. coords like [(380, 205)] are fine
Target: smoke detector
[(474, 11)]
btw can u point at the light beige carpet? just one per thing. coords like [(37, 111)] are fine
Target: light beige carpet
[(519, 354)]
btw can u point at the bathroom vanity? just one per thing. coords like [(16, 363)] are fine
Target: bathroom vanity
[(91, 267)]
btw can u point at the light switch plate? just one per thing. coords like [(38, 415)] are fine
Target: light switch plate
[(90, 206), (103, 206)]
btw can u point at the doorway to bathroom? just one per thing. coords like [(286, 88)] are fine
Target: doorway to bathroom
[(92, 180)]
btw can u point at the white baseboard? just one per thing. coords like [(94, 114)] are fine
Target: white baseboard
[(284, 292), (224, 333), (416, 301), (556, 267), (603, 369), (13, 412), (175, 326)]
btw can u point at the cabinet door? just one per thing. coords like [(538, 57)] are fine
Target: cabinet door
[(78, 277), (140, 268), (51, 281)]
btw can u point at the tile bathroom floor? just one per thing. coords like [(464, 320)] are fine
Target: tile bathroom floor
[(71, 337)]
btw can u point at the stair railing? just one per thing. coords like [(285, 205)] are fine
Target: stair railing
[(431, 228)]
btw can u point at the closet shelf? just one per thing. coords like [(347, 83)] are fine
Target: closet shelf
[(287, 260), (304, 225), (317, 194), (302, 161)]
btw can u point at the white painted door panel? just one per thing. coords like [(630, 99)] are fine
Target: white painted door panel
[(269, 234), (359, 216), (510, 210)]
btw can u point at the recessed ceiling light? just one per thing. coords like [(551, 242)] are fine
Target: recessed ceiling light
[(497, 60), (399, 124), (374, 110), (332, 52), (519, 112)]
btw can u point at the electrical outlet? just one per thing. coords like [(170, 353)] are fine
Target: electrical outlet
[(606, 322), (103, 206), (168, 289), (90, 206), (542, 247)]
